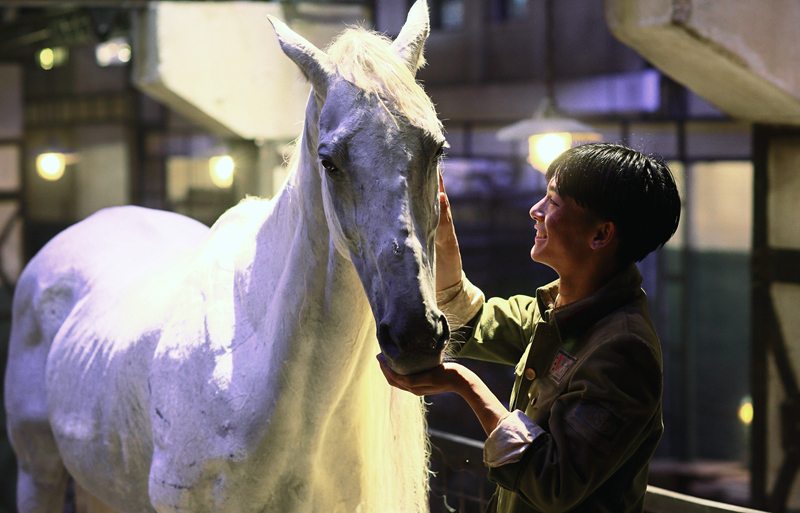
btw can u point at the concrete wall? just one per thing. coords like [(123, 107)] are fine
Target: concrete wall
[(220, 65), (741, 55)]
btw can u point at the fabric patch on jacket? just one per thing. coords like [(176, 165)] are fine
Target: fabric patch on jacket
[(562, 363), (597, 423)]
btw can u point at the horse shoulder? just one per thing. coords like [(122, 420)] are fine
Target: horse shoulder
[(199, 390), (207, 410)]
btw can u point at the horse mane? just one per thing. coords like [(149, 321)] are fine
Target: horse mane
[(367, 60)]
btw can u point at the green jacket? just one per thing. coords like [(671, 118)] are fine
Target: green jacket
[(589, 374)]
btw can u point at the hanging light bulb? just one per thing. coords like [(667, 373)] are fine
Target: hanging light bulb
[(221, 171), (746, 410), (114, 52), (53, 159), (549, 134), (50, 166), (49, 58), (544, 148)]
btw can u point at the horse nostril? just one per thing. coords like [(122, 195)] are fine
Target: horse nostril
[(385, 336), (445, 333), (414, 338)]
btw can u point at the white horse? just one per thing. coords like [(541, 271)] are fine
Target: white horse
[(169, 367)]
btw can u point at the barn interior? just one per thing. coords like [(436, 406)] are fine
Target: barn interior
[(190, 106)]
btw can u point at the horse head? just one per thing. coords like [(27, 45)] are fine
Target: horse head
[(378, 150)]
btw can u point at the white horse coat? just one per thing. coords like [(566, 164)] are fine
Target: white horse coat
[(169, 367)]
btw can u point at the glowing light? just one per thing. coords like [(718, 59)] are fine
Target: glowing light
[(544, 148), (113, 52), (746, 412), (49, 58), (50, 166), (124, 53), (103, 55), (46, 58), (221, 170)]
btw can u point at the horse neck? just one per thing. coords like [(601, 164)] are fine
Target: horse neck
[(336, 385), (299, 290), (326, 273), (315, 346)]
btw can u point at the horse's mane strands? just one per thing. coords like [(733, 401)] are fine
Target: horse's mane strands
[(367, 60)]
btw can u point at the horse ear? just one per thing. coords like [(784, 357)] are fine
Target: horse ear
[(412, 37), (312, 61)]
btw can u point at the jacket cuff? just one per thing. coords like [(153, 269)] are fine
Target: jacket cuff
[(507, 443), (508, 476), (461, 302)]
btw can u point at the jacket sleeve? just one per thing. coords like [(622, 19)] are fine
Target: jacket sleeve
[(500, 331), (607, 411)]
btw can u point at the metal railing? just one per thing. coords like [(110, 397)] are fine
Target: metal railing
[(659, 500), (458, 480), (459, 483)]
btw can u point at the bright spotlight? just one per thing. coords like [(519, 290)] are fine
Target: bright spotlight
[(746, 412), (544, 148), (124, 53), (221, 170), (114, 52), (49, 58), (46, 58), (50, 166)]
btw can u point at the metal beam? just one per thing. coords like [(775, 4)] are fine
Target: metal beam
[(658, 500), (759, 297), (768, 266)]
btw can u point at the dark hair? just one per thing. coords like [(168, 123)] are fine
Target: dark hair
[(636, 192)]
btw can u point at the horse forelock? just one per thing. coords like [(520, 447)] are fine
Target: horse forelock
[(367, 60)]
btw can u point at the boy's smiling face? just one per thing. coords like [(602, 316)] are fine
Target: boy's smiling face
[(564, 232)]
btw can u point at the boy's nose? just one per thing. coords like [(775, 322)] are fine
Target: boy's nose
[(534, 212)]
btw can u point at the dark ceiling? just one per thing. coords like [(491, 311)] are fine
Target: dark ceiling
[(29, 25), (24, 30)]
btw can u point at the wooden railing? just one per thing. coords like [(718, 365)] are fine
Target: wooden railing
[(459, 484), (658, 500)]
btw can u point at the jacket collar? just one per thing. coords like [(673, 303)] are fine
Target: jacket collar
[(576, 318)]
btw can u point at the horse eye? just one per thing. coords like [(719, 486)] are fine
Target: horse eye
[(440, 152), (329, 166)]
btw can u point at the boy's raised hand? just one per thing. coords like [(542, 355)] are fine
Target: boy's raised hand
[(448, 256)]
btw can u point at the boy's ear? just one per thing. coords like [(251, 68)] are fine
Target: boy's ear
[(603, 235)]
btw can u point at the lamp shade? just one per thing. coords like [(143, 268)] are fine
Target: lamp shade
[(549, 133), (522, 130)]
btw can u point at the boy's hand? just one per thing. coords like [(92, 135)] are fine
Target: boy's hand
[(448, 256), (452, 377), (440, 379)]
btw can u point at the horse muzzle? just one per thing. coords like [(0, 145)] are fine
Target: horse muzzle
[(412, 347)]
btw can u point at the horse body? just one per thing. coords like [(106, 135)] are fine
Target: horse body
[(171, 367), (77, 366)]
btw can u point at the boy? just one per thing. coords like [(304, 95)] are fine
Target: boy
[(586, 405)]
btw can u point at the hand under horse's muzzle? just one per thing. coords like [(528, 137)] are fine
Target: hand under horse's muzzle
[(411, 346)]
